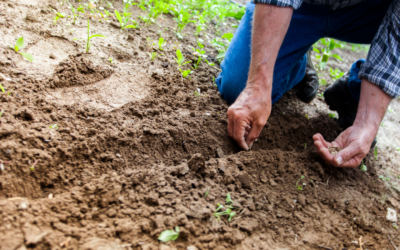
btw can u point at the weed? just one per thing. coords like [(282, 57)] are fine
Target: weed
[(89, 37), (19, 45), (169, 235), (300, 187), (161, 43)]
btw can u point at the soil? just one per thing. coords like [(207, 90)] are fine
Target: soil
[(135, 151)]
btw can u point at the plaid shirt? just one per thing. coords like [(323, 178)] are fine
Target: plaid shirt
[(382, 66)]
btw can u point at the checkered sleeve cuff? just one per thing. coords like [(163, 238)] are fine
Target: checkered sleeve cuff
[(295, 4), (382, 66)]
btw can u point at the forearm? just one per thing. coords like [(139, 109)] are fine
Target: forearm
[(270, 24), (372, 106)]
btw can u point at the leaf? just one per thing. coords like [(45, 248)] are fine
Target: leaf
[(322, 82), (168, 235), (29, 57), (221, 55), (2, 89), (316, 50), (363, 167), (228, 36), (97, 35), (179, 56), (228, 198), (16, 48), (20, 43), (130, 26), (337, 57), (118, 16)]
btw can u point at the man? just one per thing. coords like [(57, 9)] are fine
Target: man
[(267, 57)]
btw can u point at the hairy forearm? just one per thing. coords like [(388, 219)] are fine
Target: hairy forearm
[(372, 106), (270, 24)]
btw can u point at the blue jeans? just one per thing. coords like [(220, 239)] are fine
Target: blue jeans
[(355, 24)]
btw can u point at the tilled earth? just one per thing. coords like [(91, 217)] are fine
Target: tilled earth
[(136, 151)]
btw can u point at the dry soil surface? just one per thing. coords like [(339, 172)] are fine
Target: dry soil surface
[(136, 151)]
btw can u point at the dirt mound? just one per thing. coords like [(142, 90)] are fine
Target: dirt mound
[(78, 70)]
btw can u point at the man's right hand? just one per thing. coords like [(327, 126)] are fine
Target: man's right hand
[(248, 115)]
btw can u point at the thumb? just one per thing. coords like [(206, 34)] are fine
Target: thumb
[(346, 157), (254, 132)]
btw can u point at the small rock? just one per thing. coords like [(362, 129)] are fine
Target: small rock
[(301, 199), (191, 248), (248, 225), (220, 153), (221, 167), (244, 179), (391, 215), (272, 182), (165, 65), (197, 162), (111, 213), (118, 155), (263, 179), (183, 169), (52, 56)]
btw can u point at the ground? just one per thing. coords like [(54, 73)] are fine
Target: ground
[(136, 151)]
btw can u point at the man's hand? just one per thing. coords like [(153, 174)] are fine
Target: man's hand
[(248, 115), (357, 139)]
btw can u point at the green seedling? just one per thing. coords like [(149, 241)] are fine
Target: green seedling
[(207, 191), (300, 187), (54, 126), (363, 167), (57, 16), (169, 235), (397, 148), (153, 55), (89, 37), (110, 59), (2, 89), (211, 64), (228, 209), (185, 73), (75, 11), (335, 74), (222, 45), (322, 81), (228, 199), (383, 178), (200, 53), (19, 45), (332, 115), (161, 43), (321, 95), (382, 125), (390, 110), (376, 153), (328, 45), (180, 59), (123, 20)]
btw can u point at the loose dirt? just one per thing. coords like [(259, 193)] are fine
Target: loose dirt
[(135, 151)]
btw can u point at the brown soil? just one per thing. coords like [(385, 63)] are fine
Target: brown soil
[(119, 170)]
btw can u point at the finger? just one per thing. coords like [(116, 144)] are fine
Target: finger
[(230, 123), (254, 132), (324, 152), (239, 134), (350, 156), (319, 137)]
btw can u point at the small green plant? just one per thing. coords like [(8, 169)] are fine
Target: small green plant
[(211, 64), (383, 178), (328, 45), (397, 148), (376, 153), (322, 81), (75, 12), (2, 89), (222, 46), (161, 43), (363, 167), (185, 73), (200, 53), (300, 187), (390, 109), (123, 20), (169, 235), (19, 45), (153, 55), (335, 74), (180, 59), (206, 193), (57, 16), (89, 37), (332, 115), (382, 125), (54, 126), (110, 59), (228, 209), (321, 95)]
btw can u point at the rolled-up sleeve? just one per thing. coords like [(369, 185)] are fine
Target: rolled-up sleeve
[(295, 4), (382, 66)]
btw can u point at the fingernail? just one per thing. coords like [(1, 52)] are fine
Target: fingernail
[(339, 160)]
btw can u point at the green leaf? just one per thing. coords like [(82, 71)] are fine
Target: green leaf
[(29, 57), (97, 35), (118, 16), (228, 36), (363, 167), (130, 26), (322, 82), (2, 88), (16, 48), (316, 50), (337, 57), (169, 235), (20, 43), (228, 198)]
